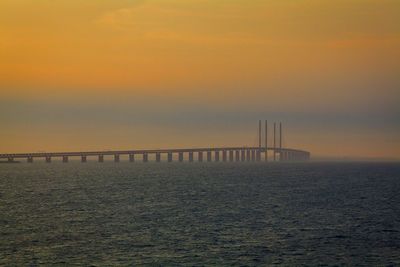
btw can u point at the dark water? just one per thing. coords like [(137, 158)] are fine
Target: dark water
[(200, 214)]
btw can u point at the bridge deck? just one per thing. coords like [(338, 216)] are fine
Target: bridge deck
[(143, 151)]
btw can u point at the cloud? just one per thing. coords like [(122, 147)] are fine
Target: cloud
[(258, 22)]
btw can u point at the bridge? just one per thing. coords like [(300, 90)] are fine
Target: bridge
[(225, 154)]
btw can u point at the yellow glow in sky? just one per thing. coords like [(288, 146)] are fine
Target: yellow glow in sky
[(310, 56)]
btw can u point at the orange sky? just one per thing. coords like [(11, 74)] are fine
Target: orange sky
[(328, 69)]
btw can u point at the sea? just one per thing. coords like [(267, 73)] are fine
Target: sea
[(200, 214)]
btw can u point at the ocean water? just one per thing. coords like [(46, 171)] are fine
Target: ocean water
[(199, 214)]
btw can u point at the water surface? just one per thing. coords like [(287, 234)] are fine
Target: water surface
[(200, 214)]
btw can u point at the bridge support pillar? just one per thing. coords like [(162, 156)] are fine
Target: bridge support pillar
[(237, 155), (131, 157), (283, 156), (116, 158), (200, 158), (258, 155), (30, 160), (243, 155), (216, 156), (65, 159), (224, 158), (145, 157), (248, 155), (253, 155), (83, 159), (180, 156), (169, 157), (101, 158), (158, 157), (48, 159), (209, 156), (230, 155), (190, 156)]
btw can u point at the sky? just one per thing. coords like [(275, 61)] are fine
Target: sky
[(126, 74)]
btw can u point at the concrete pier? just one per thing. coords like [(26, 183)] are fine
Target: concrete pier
[(65, 159), (116, 158), (243, 155), (216, 159), (200, 156), (231, 155), (190, 156), (224, 158), (169, 157), (208, 156), (83, 159), (101, 158), (158, 157), (283, 156), (145, 157), (180, 155), (131, 157)]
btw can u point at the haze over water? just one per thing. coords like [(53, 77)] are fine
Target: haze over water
[(185, 214)]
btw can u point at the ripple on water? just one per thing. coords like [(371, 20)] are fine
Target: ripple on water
[(200, 214)]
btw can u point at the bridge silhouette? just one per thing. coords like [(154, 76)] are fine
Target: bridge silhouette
[(225, 154)]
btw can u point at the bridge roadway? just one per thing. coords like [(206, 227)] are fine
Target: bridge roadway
[(228, 154)]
